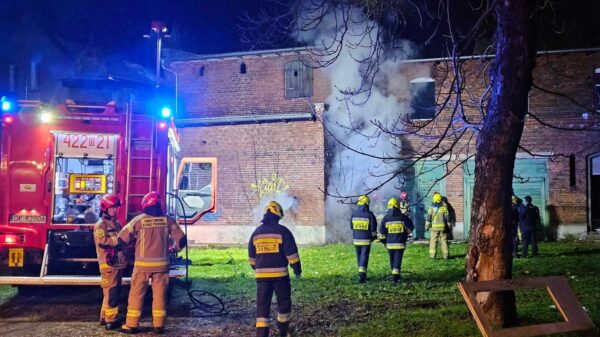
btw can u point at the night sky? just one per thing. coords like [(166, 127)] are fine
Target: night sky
[(114, 27)]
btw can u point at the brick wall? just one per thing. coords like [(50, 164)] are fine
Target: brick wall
[(283, 156), (254, 160), (223, 90), (295, 152), (571, 75)]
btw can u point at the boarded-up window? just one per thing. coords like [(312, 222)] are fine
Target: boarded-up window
[(422, 98), (298, 80)]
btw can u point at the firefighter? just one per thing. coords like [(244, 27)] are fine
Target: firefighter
[(270, 249), (111, 261), (437, 221), (404, 204), (153, 232), (530, 219), (393, 232), (364, 231)]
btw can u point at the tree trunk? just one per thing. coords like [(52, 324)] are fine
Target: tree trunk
[(490, 254)]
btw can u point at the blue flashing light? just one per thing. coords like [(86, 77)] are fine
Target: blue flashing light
[(7, 105), (165, 112)]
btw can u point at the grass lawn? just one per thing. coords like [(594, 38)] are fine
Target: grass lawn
[(329, 302)]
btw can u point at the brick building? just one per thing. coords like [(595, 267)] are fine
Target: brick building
[(254, 114), (557, 166), (262, 135)]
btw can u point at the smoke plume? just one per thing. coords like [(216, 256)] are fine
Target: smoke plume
[(359, 148)]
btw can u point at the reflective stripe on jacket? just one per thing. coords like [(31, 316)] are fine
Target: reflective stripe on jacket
[(106, 232), (271, 248), (363, 225), (152, 235), (394, 229), (437, 217)]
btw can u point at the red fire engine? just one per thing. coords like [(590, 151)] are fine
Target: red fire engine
[(55, 165)]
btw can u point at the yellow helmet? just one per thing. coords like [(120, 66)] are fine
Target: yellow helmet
[(437, 198), (393, 203), (274, 208), (363, 200)]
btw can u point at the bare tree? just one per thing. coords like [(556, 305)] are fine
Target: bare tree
[(487, 125)]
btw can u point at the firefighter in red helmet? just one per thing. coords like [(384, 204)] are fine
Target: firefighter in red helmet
[(111, 260), (404, 204), (153, 232)]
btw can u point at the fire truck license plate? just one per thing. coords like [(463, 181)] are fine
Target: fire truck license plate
[(16, 257), (92, 145)]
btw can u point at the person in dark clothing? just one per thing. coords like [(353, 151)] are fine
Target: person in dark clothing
[(364, 230), (271, 248), (529, 219), (516, 205), (393, 232)]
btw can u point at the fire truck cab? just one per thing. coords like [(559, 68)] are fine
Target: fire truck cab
[(55, 164)]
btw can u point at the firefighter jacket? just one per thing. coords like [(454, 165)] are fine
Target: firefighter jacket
[(394, 229), (364, 226), (152, 241), (106, 232), (270, 249), (437, 217), (530, 217), (405, 207)]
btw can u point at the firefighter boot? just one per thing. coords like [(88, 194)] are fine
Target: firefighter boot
[(112, 325), (128, 330), (158, 331), (362, 277), (283, 328)]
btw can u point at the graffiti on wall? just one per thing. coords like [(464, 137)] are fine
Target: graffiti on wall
[(271, 185)]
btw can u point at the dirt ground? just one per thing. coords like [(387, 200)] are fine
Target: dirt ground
[(74, 312)]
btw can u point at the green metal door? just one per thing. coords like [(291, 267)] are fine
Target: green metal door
[(428, 178), (530, 178)]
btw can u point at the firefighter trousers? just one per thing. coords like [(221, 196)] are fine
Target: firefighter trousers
[(442, 237), (139, 285), (396, 260), (264, 295), (362, 257), (110, 282)]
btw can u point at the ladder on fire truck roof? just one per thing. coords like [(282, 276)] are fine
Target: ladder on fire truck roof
[(141, 161)]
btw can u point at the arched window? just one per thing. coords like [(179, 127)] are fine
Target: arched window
[(242, 68)]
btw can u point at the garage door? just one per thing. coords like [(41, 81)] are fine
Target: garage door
[(530, 178), (425, 178)]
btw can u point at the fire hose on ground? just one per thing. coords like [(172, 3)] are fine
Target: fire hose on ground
[(206, 302)]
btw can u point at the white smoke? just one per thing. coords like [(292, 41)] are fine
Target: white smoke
[(288, 203), (350, 119)]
